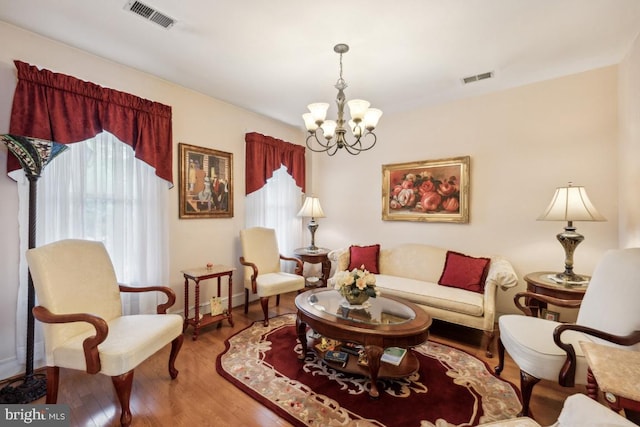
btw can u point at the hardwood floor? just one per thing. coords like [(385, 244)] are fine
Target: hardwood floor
[(200, 397)]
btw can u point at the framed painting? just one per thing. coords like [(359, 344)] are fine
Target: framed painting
[(206, 182), (429, 191)]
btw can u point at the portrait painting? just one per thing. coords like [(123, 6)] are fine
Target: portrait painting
[(206, 182)]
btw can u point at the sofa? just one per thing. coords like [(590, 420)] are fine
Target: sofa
[(450, 286)]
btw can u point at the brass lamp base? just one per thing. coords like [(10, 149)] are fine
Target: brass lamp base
[(570, 239), (312, 226)]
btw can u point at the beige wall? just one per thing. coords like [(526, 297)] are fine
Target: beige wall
[(523, 142), (197, 120), (629, 154)]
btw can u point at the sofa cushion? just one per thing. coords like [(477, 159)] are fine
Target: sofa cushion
[(364, 255), (464, 272), (432, 294)]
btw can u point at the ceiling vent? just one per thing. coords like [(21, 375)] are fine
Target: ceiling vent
[(149, 13), (477, 77)]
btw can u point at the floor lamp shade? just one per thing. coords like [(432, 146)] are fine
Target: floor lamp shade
[(312, 209), (33, 154), (570, 204)]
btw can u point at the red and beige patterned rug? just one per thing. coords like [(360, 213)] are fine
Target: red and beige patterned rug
[(451, 388)]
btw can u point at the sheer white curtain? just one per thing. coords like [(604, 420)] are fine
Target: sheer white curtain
[(97, 190), (275, 206)]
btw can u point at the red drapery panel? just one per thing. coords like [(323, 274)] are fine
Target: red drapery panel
[(265, 154), (65, 109)]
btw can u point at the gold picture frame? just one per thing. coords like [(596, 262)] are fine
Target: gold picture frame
[(206, 182), (427, 191)]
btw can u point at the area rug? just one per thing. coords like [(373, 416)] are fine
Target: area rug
[(451, 388)]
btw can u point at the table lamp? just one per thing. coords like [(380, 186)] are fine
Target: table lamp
[(312, 209), (570, 204)]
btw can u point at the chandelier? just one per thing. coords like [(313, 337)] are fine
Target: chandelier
[(363, 121)]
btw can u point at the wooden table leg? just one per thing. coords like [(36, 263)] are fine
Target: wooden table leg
[(374, 353), (196, 319), (229, 305), (186, 304), (301, 329)]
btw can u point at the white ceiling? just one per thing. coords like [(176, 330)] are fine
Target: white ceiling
[(276, 56)]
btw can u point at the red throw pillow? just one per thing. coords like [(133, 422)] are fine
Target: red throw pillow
[(364, 255), (464, 272)]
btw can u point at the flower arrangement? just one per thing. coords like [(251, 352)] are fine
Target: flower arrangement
[(356, 285)]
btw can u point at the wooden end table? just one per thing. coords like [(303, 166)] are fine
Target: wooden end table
[(197, 275), (616, 372), (388, 322), (541, 283), (318, 256)]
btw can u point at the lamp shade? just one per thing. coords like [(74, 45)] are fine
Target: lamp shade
[(571, 204), (311, 208), (32, 153)]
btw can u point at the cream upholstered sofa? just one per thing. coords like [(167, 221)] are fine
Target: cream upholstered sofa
[(412, 272)]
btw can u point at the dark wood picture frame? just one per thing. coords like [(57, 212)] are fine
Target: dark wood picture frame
[(205, 182)]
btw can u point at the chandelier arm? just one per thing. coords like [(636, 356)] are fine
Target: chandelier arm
[(325, 147)]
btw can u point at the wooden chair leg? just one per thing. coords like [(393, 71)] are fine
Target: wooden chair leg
[(488, 338), (264, 301), (278, 299), (53, 378), (246, 301), (122, 384), (176, 344), (526, 387), (498, 369)]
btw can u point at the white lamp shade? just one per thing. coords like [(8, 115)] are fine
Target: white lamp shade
[(311, 208), (318, 111), (571, 204), (356, 129), (371, 118), (329, 128), (309, 122), (357, 108)]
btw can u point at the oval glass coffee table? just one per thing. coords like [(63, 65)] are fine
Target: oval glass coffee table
[(380, 323)]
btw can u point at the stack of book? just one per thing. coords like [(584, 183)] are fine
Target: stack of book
[(336, 356), (393, 355)]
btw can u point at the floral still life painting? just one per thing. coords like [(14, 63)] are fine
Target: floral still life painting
[(430, 191)]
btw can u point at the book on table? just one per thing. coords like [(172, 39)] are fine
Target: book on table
[(393, 355), (335, 356)]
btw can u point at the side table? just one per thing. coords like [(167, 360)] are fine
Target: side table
[(197, 275), (616, 372), (318, 256), (541, 283)]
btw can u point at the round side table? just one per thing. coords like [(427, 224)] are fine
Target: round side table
[(318, 256), (541, 282)]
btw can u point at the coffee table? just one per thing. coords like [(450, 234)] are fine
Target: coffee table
[(384, 322)]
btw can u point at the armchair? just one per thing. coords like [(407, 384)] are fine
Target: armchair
[(84, 329), (262, 273), (609, 314)]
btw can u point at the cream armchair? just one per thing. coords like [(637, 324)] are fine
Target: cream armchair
[(609, 314), (578, 411), (84, 329), (262, 273)]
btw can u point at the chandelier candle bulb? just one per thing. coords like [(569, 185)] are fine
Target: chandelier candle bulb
[(371, 118), (319, 111), (329, 129), (309, 122)]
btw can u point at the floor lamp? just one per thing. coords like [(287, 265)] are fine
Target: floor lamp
[(33, 154)]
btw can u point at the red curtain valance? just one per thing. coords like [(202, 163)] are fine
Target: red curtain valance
[(64, 109), (265, 154)]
